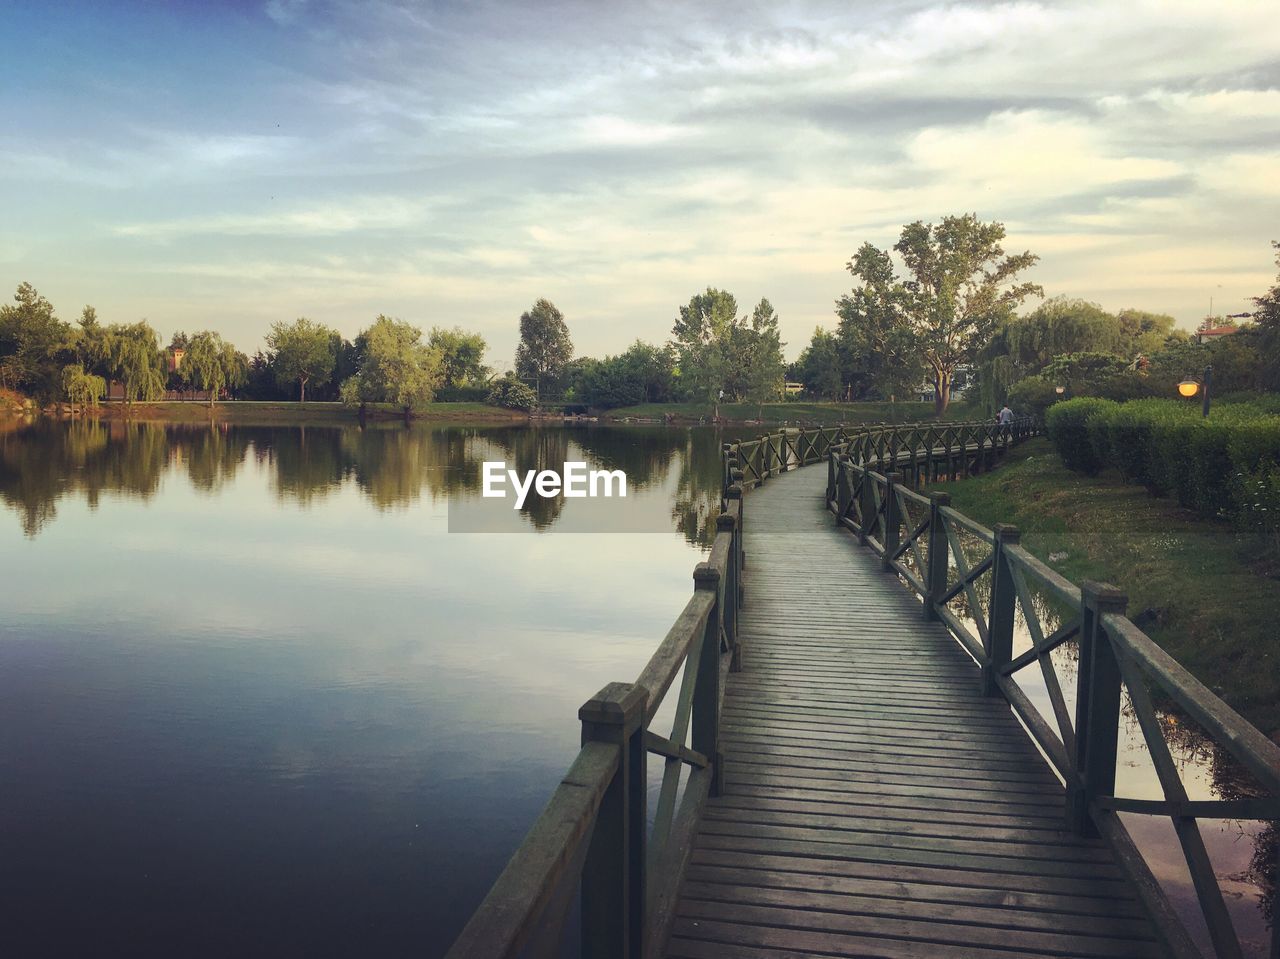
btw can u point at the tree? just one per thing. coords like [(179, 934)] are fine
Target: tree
[(93, 344), (545, 348), (878, 351), (960, 287), (461, 356), (1266, 332), (81, 388), (212, 364), (702, 334), (135, 361), (819, 367), (34, 344), (754, 357), (395, 366), (302, 352)]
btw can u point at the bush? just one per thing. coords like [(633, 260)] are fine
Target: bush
[(1032, 396), (1067, 425), (509, 393)]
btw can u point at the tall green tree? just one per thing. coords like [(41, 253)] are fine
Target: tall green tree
[(135, 361), (545, 347), (93, 344), (212, 364), (461, 356), (34, 344), (754, 358), (820, 368), (302, 352), (958, 288), (395, 366), (878, 349), (701, 337)]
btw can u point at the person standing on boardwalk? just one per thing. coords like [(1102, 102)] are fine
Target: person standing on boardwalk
[(1006, 416)]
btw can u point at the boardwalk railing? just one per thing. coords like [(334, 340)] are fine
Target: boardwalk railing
[(593, 838), (943, 556)]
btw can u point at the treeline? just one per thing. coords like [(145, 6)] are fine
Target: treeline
[(713, 352), (951, 319), (389, 362)]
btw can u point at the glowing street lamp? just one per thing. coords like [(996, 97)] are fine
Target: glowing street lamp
[(1059, 390), (1190, 386)]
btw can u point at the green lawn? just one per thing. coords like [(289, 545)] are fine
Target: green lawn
[(285, 412), (796, 413), (1216, 604)]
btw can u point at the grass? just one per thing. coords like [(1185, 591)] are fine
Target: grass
[(811, 414), (1217, 605), (248, 411)]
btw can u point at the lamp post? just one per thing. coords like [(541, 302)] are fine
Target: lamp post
[(1059, 390), (1189, 387)]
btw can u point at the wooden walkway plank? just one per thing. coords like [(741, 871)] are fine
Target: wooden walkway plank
[(876, 805)]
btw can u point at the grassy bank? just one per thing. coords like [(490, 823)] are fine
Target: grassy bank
[(246, 411), (1216, 607), (809, 414)]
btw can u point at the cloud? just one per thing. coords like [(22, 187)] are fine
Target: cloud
[(350, 216), (456, 163)]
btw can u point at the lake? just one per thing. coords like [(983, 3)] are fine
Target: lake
[(255, 699)]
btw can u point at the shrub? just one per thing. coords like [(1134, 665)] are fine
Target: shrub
[(1067, 425), (1032, 396), (509, 393)]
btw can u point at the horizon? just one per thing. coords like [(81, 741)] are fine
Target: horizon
[(451, 165)]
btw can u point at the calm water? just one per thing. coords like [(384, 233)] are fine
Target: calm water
[(255, 700)]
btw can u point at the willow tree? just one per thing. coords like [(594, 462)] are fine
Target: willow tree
[(958, 289), (210, 363), (135, 360)]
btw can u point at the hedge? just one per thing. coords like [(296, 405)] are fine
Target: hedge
[(1067, 426), (1225, 465)]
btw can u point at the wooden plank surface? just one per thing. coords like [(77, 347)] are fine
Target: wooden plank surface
[(875, 805)]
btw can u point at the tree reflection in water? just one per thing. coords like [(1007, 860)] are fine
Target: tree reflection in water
[(392, 465)]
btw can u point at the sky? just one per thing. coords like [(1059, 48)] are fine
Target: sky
[(227, 165)]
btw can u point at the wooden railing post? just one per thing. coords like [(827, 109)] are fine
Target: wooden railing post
[(735, 493), (868, 494), (844, 487), (1004, 605), (613, 874), (1097, 706), (706, 690), (727, 458), (729, 596), (939, 555), (892, 519)]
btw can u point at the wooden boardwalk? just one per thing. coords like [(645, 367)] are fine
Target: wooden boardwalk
[(875, 805)]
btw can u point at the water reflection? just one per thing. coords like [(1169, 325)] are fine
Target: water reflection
[(254, 703), (393, 466)]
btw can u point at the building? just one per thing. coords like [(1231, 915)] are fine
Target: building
[(1208, 333)]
